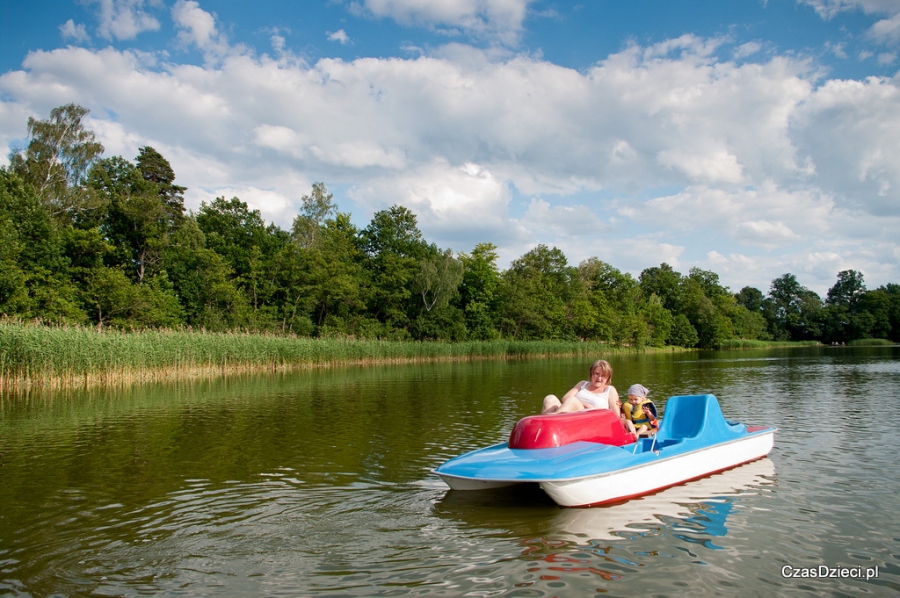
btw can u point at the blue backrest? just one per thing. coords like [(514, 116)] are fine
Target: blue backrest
[(684, 416), (687, 415)]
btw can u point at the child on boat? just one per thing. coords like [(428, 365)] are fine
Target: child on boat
[(641, 411)]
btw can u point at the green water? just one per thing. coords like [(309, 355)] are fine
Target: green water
[(319, 482)]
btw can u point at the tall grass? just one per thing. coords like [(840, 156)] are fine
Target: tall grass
[(871, 342), (739, 343), (36, 355)]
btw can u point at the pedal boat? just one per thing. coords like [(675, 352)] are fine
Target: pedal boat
[(586, 458)]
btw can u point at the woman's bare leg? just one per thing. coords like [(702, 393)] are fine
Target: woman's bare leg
[(570, 405), (551, 404)]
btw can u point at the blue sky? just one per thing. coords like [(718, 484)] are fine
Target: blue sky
[(751, 138)]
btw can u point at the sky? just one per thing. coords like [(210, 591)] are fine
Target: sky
[(751, 138)]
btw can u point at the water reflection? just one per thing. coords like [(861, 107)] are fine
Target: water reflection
[(697, 509), (266, 485)]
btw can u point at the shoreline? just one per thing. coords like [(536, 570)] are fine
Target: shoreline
[(35, 356)]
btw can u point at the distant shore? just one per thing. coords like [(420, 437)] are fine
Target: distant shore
[(56, 357)]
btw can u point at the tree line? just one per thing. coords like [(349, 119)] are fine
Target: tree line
[(100, 241)]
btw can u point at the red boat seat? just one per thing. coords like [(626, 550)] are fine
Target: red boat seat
[(558, 429)]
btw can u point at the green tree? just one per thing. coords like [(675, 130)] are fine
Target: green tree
[(683, 333), (34, 255), (202, 280), (140, 214), (536, 290), (848, 290), (750, 319), (393, 246), (324, 285), (877, 304), (56, 161), (844, 317), (893, 293), (660, 321), (14, 298), (709, 283), (796, 312), (155, 169), (711, 324), (479, 291), (438, 279), (751, 298), (436, 283), (664, 282), (314, 211), (232, 229), (614, 296), (250, 248)]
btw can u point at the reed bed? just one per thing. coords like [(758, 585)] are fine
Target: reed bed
[(871, 342), (64, 356), (740, 343)]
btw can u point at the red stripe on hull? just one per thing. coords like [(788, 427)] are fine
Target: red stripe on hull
[(622, 499)]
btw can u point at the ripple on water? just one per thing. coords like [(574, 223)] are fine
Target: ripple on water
[(349, 507)]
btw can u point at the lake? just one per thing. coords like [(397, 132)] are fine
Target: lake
[(318, 482)]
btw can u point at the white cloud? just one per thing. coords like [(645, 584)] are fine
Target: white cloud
[(563, 221), (124, 19), (887, 31), (764, 216), (76, 33), (459, 205), (884, 31), (198, 28), (339, 36), (715, 165), (748, 49), (850, 130), (766, 233), (666, 152), (497, 19)]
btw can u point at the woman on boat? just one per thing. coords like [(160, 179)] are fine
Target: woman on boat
[(595, 393)]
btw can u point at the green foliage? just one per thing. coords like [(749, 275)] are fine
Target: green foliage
[(315, 209), (534, 295), (683, 334), (106, 242), (479, 291), (795, 310), (232, 230), (752, 299), (393, 247), (665, 283), (156, 170), (438, 279), (55, 163), (711, 325), (870, 342), (659, 320), (13, 293)]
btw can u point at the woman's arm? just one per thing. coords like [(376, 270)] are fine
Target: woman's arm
[(574, 391)]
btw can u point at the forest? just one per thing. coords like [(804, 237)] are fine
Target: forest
[(102, 241)]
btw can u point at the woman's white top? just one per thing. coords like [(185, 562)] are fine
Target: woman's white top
[(593, 400)]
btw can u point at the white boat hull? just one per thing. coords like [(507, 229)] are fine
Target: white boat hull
[(650, 477), (460, 483)]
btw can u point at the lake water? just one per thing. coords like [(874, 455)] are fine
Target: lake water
[(318, 482)]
